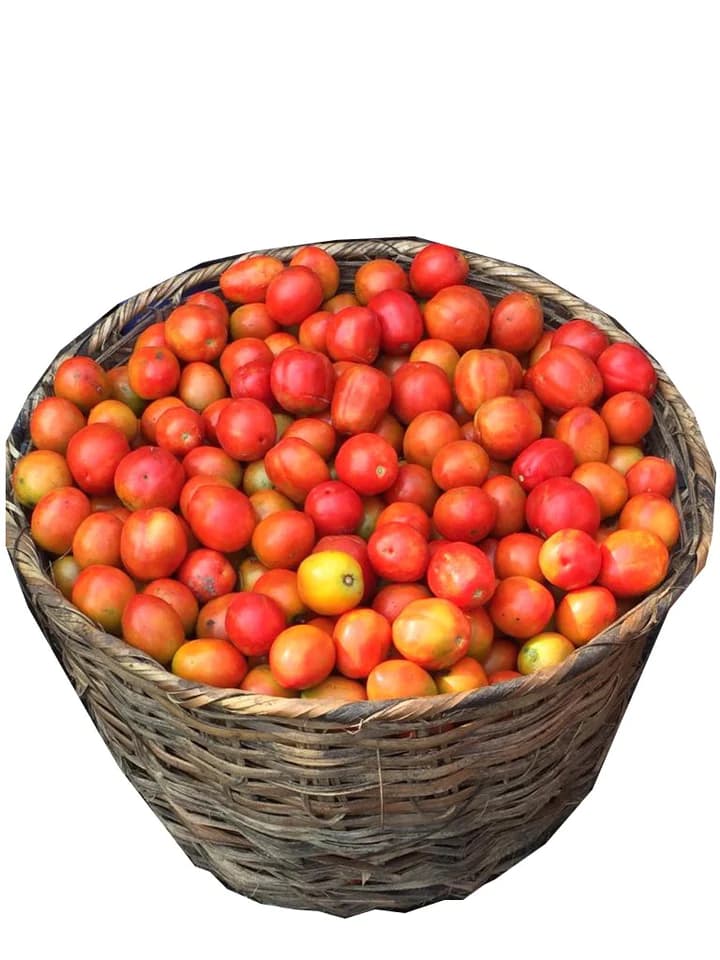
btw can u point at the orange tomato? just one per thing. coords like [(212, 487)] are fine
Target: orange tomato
[(398, 680), (583, 614), (432, 633), (634, 562), (102, 593), (652, 511), (302, 656), (282, 585), (151, 625), (466, 674), (214, 663), (605, 483), (39, 472), (341, 689), (362, 641)]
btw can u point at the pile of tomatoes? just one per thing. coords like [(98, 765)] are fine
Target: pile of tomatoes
[(394, 491)]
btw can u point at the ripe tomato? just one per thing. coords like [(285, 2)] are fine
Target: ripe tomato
[(246, 281), (521, 607), (152, 336), (283, 539), (280, 342), (626, 367), (466, 674), (559, 503), (260, 680), (392, 599), (241, 352), (367, 463), (482, 633), (102, 594), (294, 467), (584, 431), (583, 335), (427, 434), (510, 502), (502, 676), (437, 266), (605, 484), (621, 457), (153, 543), (330, 582), (251, 320), (207, 574), (39, 472), (361, 398), (212, 616), (302, 381), (153, 412), (318, 433), (221, 517), (464, 513), (628, 416), (267, 502), (334, 508), (180, 599), (356, 547), (541, 460), (398, 680), (410, 513), (212, 462), (634, 562), (116, 414), (56, 517), (206, 298), (401, 323), (180, 430), (432, 633), (192, 485), (353, 334), (398, 552), (583, 614), (252, 622), (564, 378), (516, 323), (282, 586), (481, 375), (376, 276), (502, 656), (97, 540), (417, 388), (372, 508), (149, 477), (651, 475), (362, 641), (196, 332), (253, 380), (153, 372), (530, 400), (461, 573), (652, 511), (151, 625), (200, 386), (517, 556), (340, 301), (93, 455), (246, 429), (544, 650), (341, 689), (249, 572), (321, 264), (214, 663), (312, 333), (53, 422), (505, 426), (293, 295), (81, 381), (302, 656), (414, 484), (460, 315), (439, 352), (570, 559), (460, 463)]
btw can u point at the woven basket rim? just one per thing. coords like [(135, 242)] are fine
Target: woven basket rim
[(183, 694)]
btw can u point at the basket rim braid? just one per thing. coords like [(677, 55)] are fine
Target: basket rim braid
[(117, 329)]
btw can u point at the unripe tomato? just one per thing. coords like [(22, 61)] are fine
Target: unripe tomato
[(357, 548), (116, 414), (501, 656), (260, 680), (585, 432), (340, 301), (200, 386), (97, 540), (39, 472), (341, 689), (439, 352), (607, 485), (102, 593), (65, 572), (212, 462), (330, 582), (621, 457), (654, 512), (251, 320), (542, 651)]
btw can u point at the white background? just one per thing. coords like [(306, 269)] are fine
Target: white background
[(575, 139)]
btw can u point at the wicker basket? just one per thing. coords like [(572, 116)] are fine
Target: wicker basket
[(378, 804)]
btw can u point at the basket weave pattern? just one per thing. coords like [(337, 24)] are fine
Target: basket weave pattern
[(366, 805)]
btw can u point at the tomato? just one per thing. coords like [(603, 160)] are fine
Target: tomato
[(464, 513), (253, 380), (583, 614), (482, 633), (246, 429), (654, 512), (255, 478), (410, 513), (93, 455), (432, 633), (372, 508), (97, 540), (283, 539), (180, 599), (353, 334), (634, 562), (460, 315), (241, 352), (390, 365), (205, 298), (153, 412), (559, 503), (214, 663), (221, 517), (321, 264), (502, 676), (510, 502), (293, 295), (651, 475), (398, 552), (330, 582), (417, 388), (340, 301), (81, 381), (570, 559), (56, 517), (152, 336), (39, 472), (53, 422), (481, 375), (505, 426), (584, 431), (521, 607), (180, 430), (583, 335), (334, 508), (207, 574), (461, 573), (624, 366), (605, 484), (427, 434), (153, 543), (540, 348), (211, 621), (196, 332), (318, 433), (398, 680), (502, 656), (302, 656), (393, 598), (302, 381), (252, 622), (192, 485), (413, 484), (337, 688), (544, 650), (541, 460), (247, 281), (564, 378), (102, 593), (356, 547), (249, 572), (517, 556), (466, 674), (367, 463), (401, 323), (460, 463), (437, 266), (514, 367), (622, 457), (149, 477), (439, 352), (530, 400), (116, 414), (280, 342), (377, 276), (516, 324), (151, 625), (212, 462), (362, 640), (201, 386), (294, 467), (251, 320), (153, 372), (312, 333), (260, 680), (628, 416), (65, 572), (267, 502), (361, 398), (282, 585)]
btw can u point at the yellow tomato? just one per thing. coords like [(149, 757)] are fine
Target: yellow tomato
[(543, 650), (330, 582)]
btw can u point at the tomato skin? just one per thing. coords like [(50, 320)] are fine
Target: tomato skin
[(466, 674), (340, 301), (564, 378), (340, 689), (302, 381), (502, 676), (560, 502), (547, 649), (583, 335), (82, 381), (53, 422), (294, 468), (97, 540), (414, 484), (504, 426), (432, 633), (251, 320), (246, 281), (180, 430), (464, 513), (56, 517), (437, 266), (502, 656), (463, 574), (152, 413), (293, 295), (622, 457), (283, 539), (102, 594), (212, 462), (521, 607), (330, 582), (302, 656), (318, 433), (193, 485), (207, 574), (460, 315), (205, 298), (151, 625), (196, 332), (361, 399), (213, 663), (541, 460), (401, 323), (398, 552), (628, 417), (312, 332), (517, 556), (280, 341), (65, 572), (391, 600), (334, 508), (116, 414), (439, 352), (246, 429), (460, 463), (221, 517), (583, 614), (367, 463), (282, 586), (510, 502), (149, 477), (200, 386), (652, 511), (356, 547), (241, 352), (585, 432), (481, 375), (212, 616), (353, 334), (399, 679), (516, 323), (323, 265), (634, 562), (362, 640), (427, 434), (93, 455), (570, 559), (624, 366), (606, 484), (153, 372), (180, 599), (651, 475), (418, 388), (153, 543), (377, 276), (267, 502), (252, 622), (410, 513), (152, 336)]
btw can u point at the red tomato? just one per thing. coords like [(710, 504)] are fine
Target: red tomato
[(149, 477), (251, 320), (377, 276), (313, 331), (221, 517), (401, 322), (334, 508), (252, 622), (152, 336), (180, 430), (583, 614), (481, 375), (102, 593), (541, 460), (206, 298), (461, 573), (634, 562), (97, 540), (362, 640), (502, 676), (460, 315), (93, 455), (437, 266), (153, 543), (521, 607), (413, 484), (294, 468), (392, 599), (460, 463), (583, 335), (651, 511), (56, 517), (417, 388), (53, 422), (293, 295), (180, 599), (464, 513), (212, 462), (353, 334), (624, 366), (505, 426), (153, 372), (253, 380), (153, 412), (628, 416), (367, 463), (564, 378), (559, 503), (400, 512), (651, 475), (398, 552), (570, 559), (510, 501), (517, 556), (246, 429), (432, 633), (482, 633), (585, 432), (283, 539), (362, 396), (82, 381), (196, 332), (302, 656), (318, 433), (516, 324), (241, 352), (151, 625), (302, 381), (321, 264), (207, 574), (399, 679), (246, 281), (427, 434), (214, 663)]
